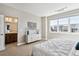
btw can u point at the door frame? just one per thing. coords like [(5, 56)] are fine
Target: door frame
[(3, 43), (16, 25)]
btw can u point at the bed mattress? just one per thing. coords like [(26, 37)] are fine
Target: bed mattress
[(56, 47)]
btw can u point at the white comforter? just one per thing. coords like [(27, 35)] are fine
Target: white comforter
[(56, 47)]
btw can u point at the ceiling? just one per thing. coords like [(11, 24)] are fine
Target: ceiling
[(44, 9)]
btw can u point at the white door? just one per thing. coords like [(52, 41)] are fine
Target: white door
[(2, 36)]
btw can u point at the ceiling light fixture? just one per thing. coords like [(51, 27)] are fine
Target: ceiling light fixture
[(61, 9)]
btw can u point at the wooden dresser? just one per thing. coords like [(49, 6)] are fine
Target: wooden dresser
[(10, 37)]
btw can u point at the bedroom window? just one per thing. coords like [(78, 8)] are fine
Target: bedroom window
[(63, 25), (74, 24), (53, 25), (69, 24)]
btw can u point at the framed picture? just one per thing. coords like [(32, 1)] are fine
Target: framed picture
[(32, 25)]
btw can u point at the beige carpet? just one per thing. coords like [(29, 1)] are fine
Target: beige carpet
[(13, 50)]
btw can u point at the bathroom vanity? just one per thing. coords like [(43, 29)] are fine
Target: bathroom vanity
[(10, 37)]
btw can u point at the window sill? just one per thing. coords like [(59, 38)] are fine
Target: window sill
[(65, 32)]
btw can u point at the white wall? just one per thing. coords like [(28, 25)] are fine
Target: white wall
[(43, 27), (23, 18), (63, 35), (13, 28)]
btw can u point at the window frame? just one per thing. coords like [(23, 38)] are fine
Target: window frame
[(50, 27), (69, 26)]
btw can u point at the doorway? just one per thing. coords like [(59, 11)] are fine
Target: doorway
[(11, 30)]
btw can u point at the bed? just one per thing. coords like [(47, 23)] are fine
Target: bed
[(56, 47)]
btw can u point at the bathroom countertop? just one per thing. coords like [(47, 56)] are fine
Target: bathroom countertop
[(10, 33)]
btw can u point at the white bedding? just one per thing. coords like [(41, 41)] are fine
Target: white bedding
[(56, 47)]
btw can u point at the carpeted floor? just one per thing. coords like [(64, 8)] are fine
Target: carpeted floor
[(13, 50)]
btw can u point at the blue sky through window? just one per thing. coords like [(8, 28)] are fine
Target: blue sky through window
[(63, 21), (74, 20), (53, 22)]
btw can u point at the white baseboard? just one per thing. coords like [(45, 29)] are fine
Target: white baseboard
[(21, 43)]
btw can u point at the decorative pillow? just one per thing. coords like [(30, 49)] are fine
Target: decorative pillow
[(77, 46)]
